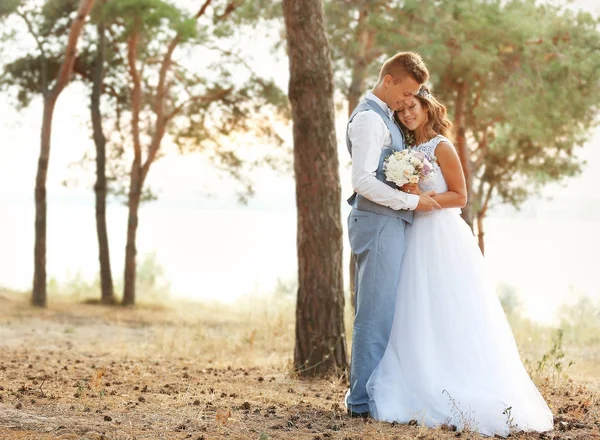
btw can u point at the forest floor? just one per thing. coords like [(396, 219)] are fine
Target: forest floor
[(200, 371)]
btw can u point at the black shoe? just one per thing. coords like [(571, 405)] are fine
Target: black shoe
[(362, 415)]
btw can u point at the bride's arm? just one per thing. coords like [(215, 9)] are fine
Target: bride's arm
[(447, 158)]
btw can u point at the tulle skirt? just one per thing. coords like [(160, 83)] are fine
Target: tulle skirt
[(452, 357)]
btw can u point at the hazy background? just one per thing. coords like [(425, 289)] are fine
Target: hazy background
[(211, 247)]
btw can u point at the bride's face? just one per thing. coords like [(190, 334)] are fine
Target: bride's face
[(412, 115)]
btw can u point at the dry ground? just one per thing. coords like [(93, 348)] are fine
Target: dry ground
[(193, 371)]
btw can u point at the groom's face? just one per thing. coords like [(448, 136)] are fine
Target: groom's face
[(401, 93)]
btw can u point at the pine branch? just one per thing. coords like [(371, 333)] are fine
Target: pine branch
[(43, 67)]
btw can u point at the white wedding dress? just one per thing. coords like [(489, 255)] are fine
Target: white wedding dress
[(451, 357)]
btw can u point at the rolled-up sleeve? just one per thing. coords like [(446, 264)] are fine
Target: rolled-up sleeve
[(368, 134)]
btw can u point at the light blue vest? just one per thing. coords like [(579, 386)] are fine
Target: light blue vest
[(362, 203)]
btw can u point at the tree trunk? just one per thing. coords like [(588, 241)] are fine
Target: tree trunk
[(132, 224), (320, 338), (365, 38), (480, 233), (141, 168), (362, 59), (106, 281), (357, 84), (354, 93), (353, 98), (463, 148), (136, 181), (39, 268), (482, 212), (38, 294)]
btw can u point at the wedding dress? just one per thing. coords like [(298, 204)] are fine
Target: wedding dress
[(451, 357)]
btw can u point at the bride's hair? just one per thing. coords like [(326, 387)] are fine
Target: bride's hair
[(437, 121)]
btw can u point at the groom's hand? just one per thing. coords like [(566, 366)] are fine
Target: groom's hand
[(427, 203)]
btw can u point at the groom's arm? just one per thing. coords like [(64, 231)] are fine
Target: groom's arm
[(368, 134)]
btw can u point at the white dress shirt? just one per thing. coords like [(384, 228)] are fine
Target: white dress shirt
[(369, 135)]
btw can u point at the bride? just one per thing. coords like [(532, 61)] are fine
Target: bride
[(451, 357)]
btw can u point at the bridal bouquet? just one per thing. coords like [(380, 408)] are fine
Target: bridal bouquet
[(408, 166)]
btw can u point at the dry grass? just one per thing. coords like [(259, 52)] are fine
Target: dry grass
[(192, 371)]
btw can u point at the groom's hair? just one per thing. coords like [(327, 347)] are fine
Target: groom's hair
[(405, 63)]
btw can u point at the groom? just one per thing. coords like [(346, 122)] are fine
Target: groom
[(378, 217)]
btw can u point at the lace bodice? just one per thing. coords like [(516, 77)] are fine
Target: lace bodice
[(436, 182)]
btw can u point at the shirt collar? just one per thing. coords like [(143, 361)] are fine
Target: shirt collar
[(370, 95)]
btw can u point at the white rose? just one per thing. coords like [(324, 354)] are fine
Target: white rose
[(413, 179)]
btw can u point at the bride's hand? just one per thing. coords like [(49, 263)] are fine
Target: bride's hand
[(411, 188)]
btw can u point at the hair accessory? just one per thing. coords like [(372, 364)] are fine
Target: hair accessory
[(423, 93)]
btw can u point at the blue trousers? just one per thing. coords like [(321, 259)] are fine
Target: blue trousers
[(378, 244)]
